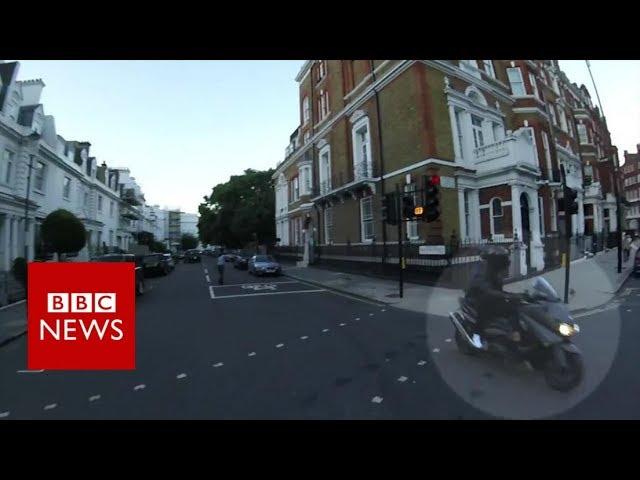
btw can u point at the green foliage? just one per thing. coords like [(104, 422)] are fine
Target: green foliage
[(145, 238), (63, 232), (188, 241), (157, 247), (239, 211), (19, 270)]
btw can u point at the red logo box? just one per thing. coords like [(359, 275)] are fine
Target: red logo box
[(81, 316)]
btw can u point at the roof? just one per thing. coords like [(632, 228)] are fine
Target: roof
[(7, 74)]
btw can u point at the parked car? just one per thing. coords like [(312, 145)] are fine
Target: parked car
[(169, 260), (230, 257), (264, 265), (192, 256), (156, 263), (636, 264), (241, 263), (127, 257)]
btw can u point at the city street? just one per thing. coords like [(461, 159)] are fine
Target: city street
[(278, 348)]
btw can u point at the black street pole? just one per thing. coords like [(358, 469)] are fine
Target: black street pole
[(567, 236), (26, 210), (400, 240), (379, 122)]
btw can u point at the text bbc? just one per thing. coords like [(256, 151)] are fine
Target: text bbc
[(81, 302)]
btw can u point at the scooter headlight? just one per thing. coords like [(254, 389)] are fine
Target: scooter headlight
[(567, 330)]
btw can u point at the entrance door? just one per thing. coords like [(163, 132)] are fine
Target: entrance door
[(526, 229)]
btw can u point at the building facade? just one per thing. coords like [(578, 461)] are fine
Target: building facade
[(499, 133), (38, 164), (631, 183)]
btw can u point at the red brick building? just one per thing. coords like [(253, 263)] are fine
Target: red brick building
[(498, 132), (631, 184)]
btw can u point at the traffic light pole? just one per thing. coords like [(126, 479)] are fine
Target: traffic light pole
[(400, 240), (567, 237)]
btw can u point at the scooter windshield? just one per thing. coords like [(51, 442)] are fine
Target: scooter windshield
[(544, 289)]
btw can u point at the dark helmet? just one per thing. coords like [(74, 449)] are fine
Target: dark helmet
[(496, 256)]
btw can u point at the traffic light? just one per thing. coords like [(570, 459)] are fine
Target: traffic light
[(407, 206), (390, 209), (431, 201), (571, 201)]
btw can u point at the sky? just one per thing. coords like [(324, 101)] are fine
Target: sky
[(182, 127)]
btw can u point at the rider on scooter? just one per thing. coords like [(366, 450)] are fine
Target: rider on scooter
[(486, 294)]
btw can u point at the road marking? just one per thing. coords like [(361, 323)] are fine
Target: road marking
[(343, 294), (208, 279), (142, 386), (304, 338), (12, 305), (4, 414), (342, 324), (357, 319), (181, 376), (254, 283), (280, 345), (436, 350), (211, 294), (383, 310), (421, 363), (376, 399), (270, 293), (94, 398), (260, 286), (448, 340), (206, 271), (628, 309), (30, 371), (51, 406), (371, 314), (325, 330), (217, 365), (403, 379), (252, 354)]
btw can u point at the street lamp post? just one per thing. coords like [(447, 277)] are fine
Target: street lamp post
[(33, 138)]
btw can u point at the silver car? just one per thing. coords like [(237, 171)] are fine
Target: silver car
[(264, 265)]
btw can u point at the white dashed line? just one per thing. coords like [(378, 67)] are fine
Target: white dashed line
[(181, 376), (252, 354), (94, 398), (4, 414), (51, 406), (29, 371), (280, 345), (403, 379), (211, 294), (304, 338), (208, 279), (342, 324), (206, 272), (421, 363), (325, 330), (628, 309), (142, 386), (371, 314), (383, 310), (357, 319), (376, 400), (219, 364), (436, 350), (448, 340)]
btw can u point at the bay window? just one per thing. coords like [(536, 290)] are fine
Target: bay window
[(366, 218), (515, 79), (362, 161)]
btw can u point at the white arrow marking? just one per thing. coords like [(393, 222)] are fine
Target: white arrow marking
[(142, 386), (51, 406), (94, 398), (280, 345), (376, 399), (325, 330)]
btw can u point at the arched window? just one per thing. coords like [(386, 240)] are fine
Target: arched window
[(496, 216)]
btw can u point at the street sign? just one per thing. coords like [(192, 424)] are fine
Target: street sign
[(432, 250), (447, 182)]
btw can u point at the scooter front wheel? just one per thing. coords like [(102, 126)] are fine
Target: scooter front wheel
[(567, 378), (463, 345)]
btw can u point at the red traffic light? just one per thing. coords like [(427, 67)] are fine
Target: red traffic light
[(434, 180)]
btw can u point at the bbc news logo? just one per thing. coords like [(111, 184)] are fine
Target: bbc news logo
[(81, 316)]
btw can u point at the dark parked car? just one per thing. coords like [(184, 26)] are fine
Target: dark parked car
[(192, 256), (264, 265), (241, 263), (157, 263), (171, 263), (127, 257), (636, 264)]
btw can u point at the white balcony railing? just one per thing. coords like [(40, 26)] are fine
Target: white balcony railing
[(362, 170), (517, 148), (325, 187), (593, 190)]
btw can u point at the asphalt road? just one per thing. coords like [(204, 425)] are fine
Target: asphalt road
[(276, 348)]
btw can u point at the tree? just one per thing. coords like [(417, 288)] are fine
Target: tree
[(239, 211), (188, 241), (157, 247), (145, 238), (62, 232)]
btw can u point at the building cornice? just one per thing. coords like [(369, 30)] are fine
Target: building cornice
[(304, 70)]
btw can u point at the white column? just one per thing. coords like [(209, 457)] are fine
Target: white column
[(32, 240), (455, 133), (536, 246), (579, 228), (14, 241), (5, 240), (463, 228), (515, 211), (474, 217), (613, 218)]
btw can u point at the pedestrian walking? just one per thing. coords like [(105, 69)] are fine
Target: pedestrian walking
[(221, 262), (627, 247)]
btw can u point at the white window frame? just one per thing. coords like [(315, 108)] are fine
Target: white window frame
[(296, 189), (40, 177), (367, 220), (582, 129), (306, 110), (66, 189), (360, 146), (328, 225), (552, 112), (547, 154), (457, 113), (477, 131), (563, 118), (534, 85), (411, 232), (306, 137), (8, 162), (488, 68), (324, 174), (322, 69), (492, 215), (517, 86)]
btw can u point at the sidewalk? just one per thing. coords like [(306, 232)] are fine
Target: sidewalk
[(13, 322), (594, 280)]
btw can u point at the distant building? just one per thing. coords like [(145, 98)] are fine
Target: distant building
[(631, 185)]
